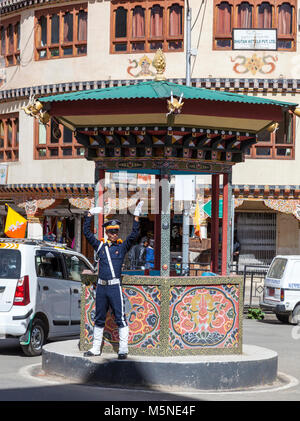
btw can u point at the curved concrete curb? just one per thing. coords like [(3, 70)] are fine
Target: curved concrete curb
[(257, 366)]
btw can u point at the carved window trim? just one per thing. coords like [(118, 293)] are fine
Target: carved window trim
[(10, 41), (151, 43), (226, 38), (281, 143), (9, 137), (53, 144), (47, 49)]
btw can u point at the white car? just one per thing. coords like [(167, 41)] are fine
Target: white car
[(282, 289), (40, 291)]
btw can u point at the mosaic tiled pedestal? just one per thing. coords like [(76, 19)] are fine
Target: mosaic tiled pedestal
[(172, 315)]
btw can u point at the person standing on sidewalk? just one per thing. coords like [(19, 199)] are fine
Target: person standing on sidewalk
[(110, 254)]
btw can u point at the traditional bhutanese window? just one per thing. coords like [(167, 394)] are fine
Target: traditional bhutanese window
[(145, 26), (264, 17), (277, 14), (244, 16), (61, 32), (223, 31), (56, 142), (285, 26), (277, 145), (10, 41), (9, 138)]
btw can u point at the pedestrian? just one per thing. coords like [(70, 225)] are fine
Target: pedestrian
[(110, 255), (138, 254), (236, 251), (150, 255)]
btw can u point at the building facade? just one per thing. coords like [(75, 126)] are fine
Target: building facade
[(248, 47)]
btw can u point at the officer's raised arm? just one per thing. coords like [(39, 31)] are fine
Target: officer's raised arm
[(94, 242), (132, 237)]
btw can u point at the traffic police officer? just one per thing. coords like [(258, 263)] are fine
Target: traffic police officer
[(110, 254)]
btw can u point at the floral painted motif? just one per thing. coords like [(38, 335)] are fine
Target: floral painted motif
[(254, 64), (285, 206), (142, 306), (204, 316)]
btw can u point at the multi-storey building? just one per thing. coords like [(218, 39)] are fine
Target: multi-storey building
[(59, 46)]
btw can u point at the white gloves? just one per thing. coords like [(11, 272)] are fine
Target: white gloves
[(93, 211), (138, 209)]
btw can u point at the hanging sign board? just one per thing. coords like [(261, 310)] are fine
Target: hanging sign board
[(254, 39), (185, 187)]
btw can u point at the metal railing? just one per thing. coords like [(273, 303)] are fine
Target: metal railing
[(253, 279)]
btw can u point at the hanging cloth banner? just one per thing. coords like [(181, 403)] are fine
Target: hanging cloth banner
[(15, 225)]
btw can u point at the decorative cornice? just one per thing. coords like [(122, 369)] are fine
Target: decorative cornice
[(243, 86), (245, 191), (9, 6), (48, 190)]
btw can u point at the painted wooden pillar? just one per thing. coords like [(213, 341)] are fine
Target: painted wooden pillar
[(157, 222), (230, 222), (99, 200), (215, 223), (165, 225), (77, 245), (224, 225)]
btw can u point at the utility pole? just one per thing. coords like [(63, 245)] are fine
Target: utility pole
[(186, 204), (188, 43)]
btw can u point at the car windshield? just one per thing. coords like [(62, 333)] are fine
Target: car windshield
[(10, 264), (277, 268)]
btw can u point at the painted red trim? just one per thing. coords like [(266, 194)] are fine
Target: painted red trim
[(142, 106), (224, 225), (215, 182)]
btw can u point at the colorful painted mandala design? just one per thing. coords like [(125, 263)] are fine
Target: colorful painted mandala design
[(142, 306), (203, 317)]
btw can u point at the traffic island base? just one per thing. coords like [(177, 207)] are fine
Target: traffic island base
[(255, 367)]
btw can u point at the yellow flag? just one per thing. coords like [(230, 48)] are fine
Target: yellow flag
[(15, 225), (197, 230)]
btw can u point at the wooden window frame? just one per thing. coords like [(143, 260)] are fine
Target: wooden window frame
[(60, 145), (61, 45), (165, 39), (12, 58), (256, 3), (273, 146), (10, 152)]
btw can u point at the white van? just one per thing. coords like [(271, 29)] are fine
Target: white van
[(282, 289), (40, 291)]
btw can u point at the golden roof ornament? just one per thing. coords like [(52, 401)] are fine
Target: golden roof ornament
[(34, 109), (273, 127), (159, 62), (174, 105)]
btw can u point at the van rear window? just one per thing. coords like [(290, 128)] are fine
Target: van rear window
[(277, 268), (10, 264)]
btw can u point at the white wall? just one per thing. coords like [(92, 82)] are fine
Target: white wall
[(288, 234)]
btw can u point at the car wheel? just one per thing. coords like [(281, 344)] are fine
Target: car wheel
[(284, 318), (37, 339), (295, 319)]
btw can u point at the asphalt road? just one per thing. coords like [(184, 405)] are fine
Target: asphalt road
[(21, 378)]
